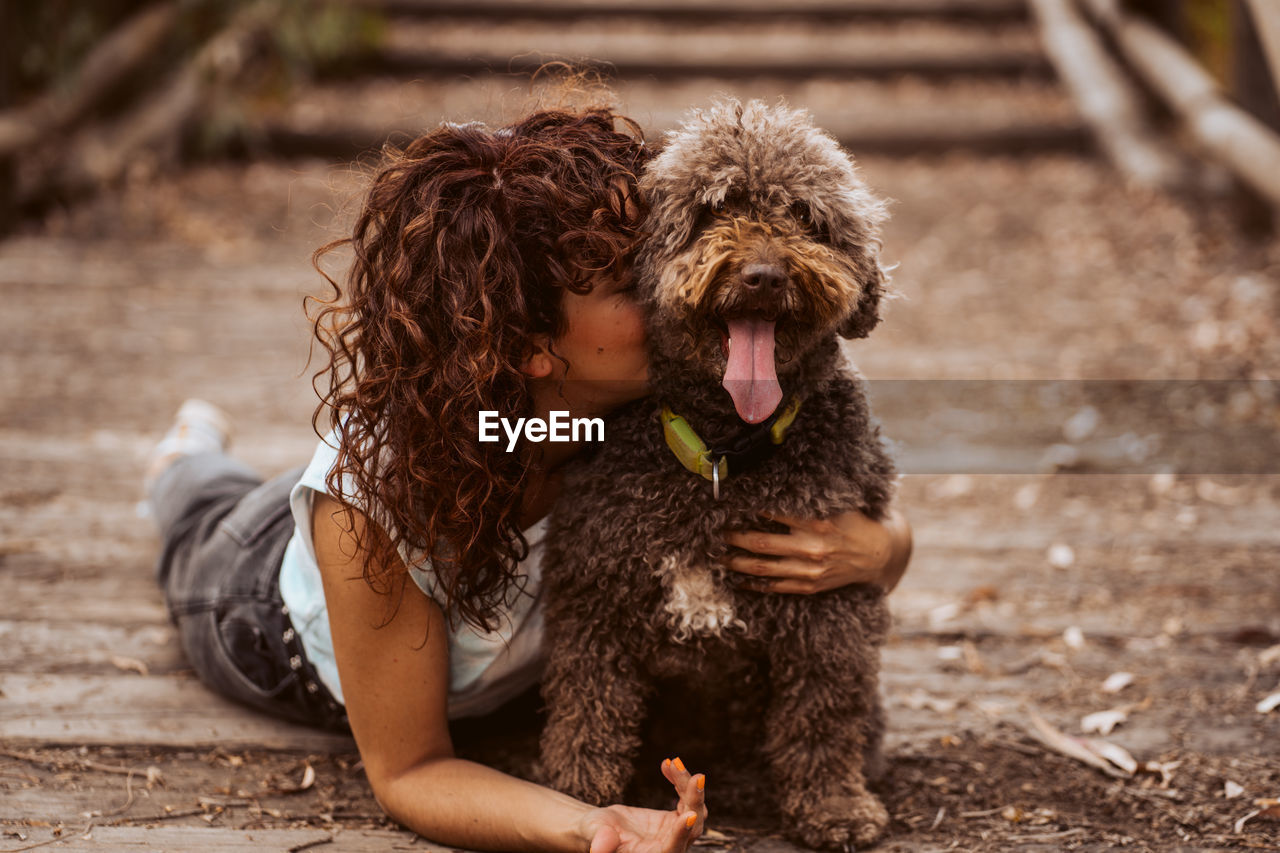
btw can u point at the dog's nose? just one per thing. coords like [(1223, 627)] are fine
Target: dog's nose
[(764, 277)]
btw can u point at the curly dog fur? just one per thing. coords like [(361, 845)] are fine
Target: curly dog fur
[(755, 214)]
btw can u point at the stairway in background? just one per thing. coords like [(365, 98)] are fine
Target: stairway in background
[(899, 78)]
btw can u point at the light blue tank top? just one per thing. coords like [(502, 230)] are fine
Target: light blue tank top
[(485, 669)]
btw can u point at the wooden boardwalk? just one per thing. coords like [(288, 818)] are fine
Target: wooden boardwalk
[(1017, 261)]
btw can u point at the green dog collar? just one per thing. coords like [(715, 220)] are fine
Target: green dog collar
[(713, 463)]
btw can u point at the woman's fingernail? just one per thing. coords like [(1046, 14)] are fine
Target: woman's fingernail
[(679, 765), (690, 821), (702, 781)]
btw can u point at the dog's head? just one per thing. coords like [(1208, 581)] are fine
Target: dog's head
[(764, 242)]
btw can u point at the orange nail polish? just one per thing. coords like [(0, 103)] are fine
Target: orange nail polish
[(702, 782), (690, 821)]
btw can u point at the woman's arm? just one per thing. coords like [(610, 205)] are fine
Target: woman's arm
[(815, 556), (395, 678)]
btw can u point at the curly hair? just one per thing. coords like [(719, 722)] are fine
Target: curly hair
[(462, 250)]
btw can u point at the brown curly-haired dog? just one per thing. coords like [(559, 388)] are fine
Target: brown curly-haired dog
[(764, 247)]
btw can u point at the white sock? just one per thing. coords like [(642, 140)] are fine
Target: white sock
[(199, 427)]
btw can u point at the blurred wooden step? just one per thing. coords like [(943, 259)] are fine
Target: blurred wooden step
[(890, 64), (664, 49), (1014, 138), (976, 11), (902, 117)]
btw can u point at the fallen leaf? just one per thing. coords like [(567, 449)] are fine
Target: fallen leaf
[(972, 660), (1231, 790), (1025, 498), (943, 614), (130, 665), (1212, 492), (1074, 638), (1061, 555), (1162, 483), (1107, 757), (1163, 768), (1057, 457), (1102, 722), (979, 594), (1081, 425), (1117, 681), (1117, 755), (308, 778), (1267, 809), (955, 486), (1269, 704), (919, 700), (712, 838)]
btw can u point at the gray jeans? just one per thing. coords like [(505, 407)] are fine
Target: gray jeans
[(224, 534)]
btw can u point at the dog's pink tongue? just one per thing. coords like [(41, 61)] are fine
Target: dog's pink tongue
[(750, 377)]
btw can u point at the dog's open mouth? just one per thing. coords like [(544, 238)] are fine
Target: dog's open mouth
[(750, 376)]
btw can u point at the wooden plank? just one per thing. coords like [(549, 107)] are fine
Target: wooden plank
[(1108, 102), (161, 711), (228, 840), (115, 710), (977, 11), (993, 63), (88, 648), (1266, 17), (1019, 138), (109, 799), (660, 44), (101, 599), (1242, 143)]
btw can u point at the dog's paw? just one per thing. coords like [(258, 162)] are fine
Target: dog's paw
[(840, 823)]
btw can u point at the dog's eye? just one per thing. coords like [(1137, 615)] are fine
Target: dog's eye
[(802, 212), (717, 206), (702, 222)]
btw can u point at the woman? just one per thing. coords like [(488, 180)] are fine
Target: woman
[(490, 273)]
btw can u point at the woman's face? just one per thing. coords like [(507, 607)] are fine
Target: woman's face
[(604, 344)]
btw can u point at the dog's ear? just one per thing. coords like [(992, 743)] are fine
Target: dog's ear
[(867, 313)]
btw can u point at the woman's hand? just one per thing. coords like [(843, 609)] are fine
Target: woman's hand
[(816, 556), (631, 830)]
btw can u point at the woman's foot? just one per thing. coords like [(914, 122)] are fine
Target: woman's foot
[(199, 427)]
